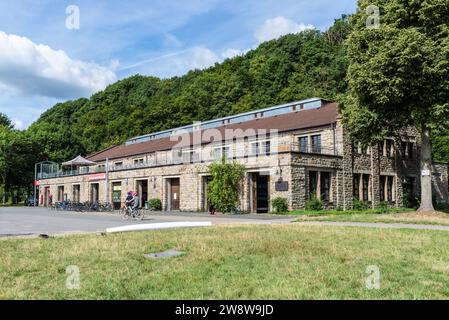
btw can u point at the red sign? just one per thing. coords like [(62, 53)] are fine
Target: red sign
[(36, 183), (97, 176)]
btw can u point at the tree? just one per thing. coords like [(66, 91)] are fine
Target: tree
[(18, 154), (398, 74), (226, 184), (5, 121)]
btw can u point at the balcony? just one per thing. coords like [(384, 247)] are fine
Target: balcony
[(177, 157)]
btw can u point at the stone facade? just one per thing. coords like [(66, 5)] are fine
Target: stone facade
[(338, 172)]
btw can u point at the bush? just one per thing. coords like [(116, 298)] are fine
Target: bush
[(314, 204), (280, 205), (155, 204), (360, 205), (383, 207), (225, 186)]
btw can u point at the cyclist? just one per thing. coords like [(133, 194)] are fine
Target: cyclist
[(135, 203), (129, 199)]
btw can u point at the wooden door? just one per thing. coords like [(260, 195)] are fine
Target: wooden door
[(174, 194)]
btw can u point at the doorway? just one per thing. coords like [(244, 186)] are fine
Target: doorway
[(174, 194), (117, 195), (76, 193), (204, 200), (260, 192), (409, 193), (94, 189), (142, 190), (47, 197)]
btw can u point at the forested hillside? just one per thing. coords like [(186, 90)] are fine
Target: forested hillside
[(294, 67)]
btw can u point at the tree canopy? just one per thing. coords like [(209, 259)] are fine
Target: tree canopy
[(398, 73)]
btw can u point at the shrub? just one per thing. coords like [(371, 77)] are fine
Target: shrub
[(280, 205), (314, 204), (360, 205), (155, 204), (225, 186), (383, 207)]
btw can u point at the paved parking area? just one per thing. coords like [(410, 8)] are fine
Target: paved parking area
[(34, 221)]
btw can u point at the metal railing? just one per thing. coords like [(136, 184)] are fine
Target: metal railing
[(200, 155)]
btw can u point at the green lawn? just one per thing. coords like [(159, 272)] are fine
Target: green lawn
[(239, 262)]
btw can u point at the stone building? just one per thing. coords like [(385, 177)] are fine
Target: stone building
[(292, 151)]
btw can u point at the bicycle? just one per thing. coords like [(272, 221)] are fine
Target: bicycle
[(129, 212)]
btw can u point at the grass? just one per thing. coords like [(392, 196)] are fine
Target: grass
[(436, 218), (239, 262), (345, 213)]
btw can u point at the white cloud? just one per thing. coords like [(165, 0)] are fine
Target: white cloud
[(231, 53), (18, 124), (279, 26), (114, 64), (38, 70), (176, 63), (203, 58)]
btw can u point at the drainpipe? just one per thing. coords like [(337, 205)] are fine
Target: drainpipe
[(107, 180), (335, 147), (35, 187)]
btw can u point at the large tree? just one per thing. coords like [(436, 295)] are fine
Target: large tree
[(398, 74)]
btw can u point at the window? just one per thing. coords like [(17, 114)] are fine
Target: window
[(407, 149), (325, 179), (138, 162), (361, 149), (303, 144), (190, 156), (320, 185), (361, 187), (313, 182), (220, 152), (356, 186), (389, 148), (177, 156), (365, 187), (316, 143), (390, 189), (118, 165), (382, 188), (260, 147)]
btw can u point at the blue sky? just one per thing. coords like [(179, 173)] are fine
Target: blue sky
[(43, 62)]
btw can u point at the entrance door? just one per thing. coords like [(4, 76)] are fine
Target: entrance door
[(142, 189), (174, 194), (47, 197), (262, 194), (409, 192), (205, 202), (94, 189), (117, 195)]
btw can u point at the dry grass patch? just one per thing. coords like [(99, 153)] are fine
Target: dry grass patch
[(430, 218)]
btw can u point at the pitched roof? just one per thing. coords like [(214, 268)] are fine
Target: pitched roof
[(303, 119), (79, 161)]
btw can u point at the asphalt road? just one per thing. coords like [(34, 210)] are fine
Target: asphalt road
[(25, 221)]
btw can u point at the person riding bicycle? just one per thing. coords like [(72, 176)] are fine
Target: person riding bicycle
[(129, 198), (135, 202)]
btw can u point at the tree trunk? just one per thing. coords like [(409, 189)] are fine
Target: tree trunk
[(426, 171)]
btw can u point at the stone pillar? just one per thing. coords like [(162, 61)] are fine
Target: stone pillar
[(347, 173), (375, 176), (298, 188)]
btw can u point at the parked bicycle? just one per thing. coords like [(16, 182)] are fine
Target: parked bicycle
[(82, 207)]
